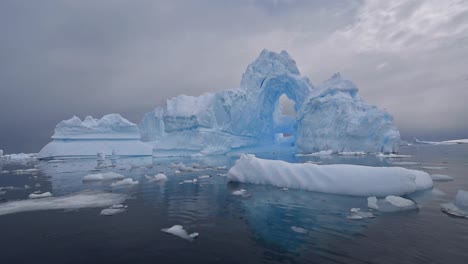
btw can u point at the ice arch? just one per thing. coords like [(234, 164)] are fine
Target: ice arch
[(268, 102)]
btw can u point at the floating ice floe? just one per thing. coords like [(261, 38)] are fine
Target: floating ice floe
[(405, 163), (26, 171), (240, 192), (357, 214), (336, 179), (441, 177), (299, 230), (114, 209), (107, 176), (391, 203), (189, 181), (19, 158), (157, 178), (459, 207), (221, 167), (433, 168), (124, 182), (39, 195), (353, 153), (392, 155), (74, 201), (315, 154), (178, 230), (4, 172), (204, 176)]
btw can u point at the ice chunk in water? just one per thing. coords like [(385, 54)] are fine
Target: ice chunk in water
[(178, 230), (103, 176), (114, 209), (157, 178), (39, 195), (459, 207), (125, 182), (441, 177)]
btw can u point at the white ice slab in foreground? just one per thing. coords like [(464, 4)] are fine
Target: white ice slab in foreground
[(336, 179), (74, 201)]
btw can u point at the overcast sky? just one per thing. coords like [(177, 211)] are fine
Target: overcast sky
[(65, 58)]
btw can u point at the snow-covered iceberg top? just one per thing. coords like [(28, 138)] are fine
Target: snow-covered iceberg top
[(111, 126), (335, 179)]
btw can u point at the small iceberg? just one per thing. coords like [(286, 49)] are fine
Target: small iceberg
[(391, 204), (441, 177), (178, 230), (39, 195), (204, 176), (357, 214), (459, 207), (107, 176), (114, 209), (124, 182), (393, 156), (160, 177)]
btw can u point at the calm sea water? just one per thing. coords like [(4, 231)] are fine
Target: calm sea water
[(269, 226)]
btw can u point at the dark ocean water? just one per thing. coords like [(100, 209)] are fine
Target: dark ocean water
[(269, 226)]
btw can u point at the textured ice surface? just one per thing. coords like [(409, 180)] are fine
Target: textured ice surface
[(446, 142), (74, 201), (335, 117), (178, 230), (459, 207), (336, 179)]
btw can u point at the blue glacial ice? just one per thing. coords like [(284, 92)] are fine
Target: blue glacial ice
[(329, 117)]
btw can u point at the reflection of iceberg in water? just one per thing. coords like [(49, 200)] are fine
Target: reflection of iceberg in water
[(274, 215)]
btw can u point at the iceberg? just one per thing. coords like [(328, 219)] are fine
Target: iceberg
[(329, 117), (341, 179), (109, 135)]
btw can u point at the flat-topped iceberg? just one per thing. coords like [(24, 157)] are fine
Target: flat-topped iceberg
[(335, 179), (110, 134)]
